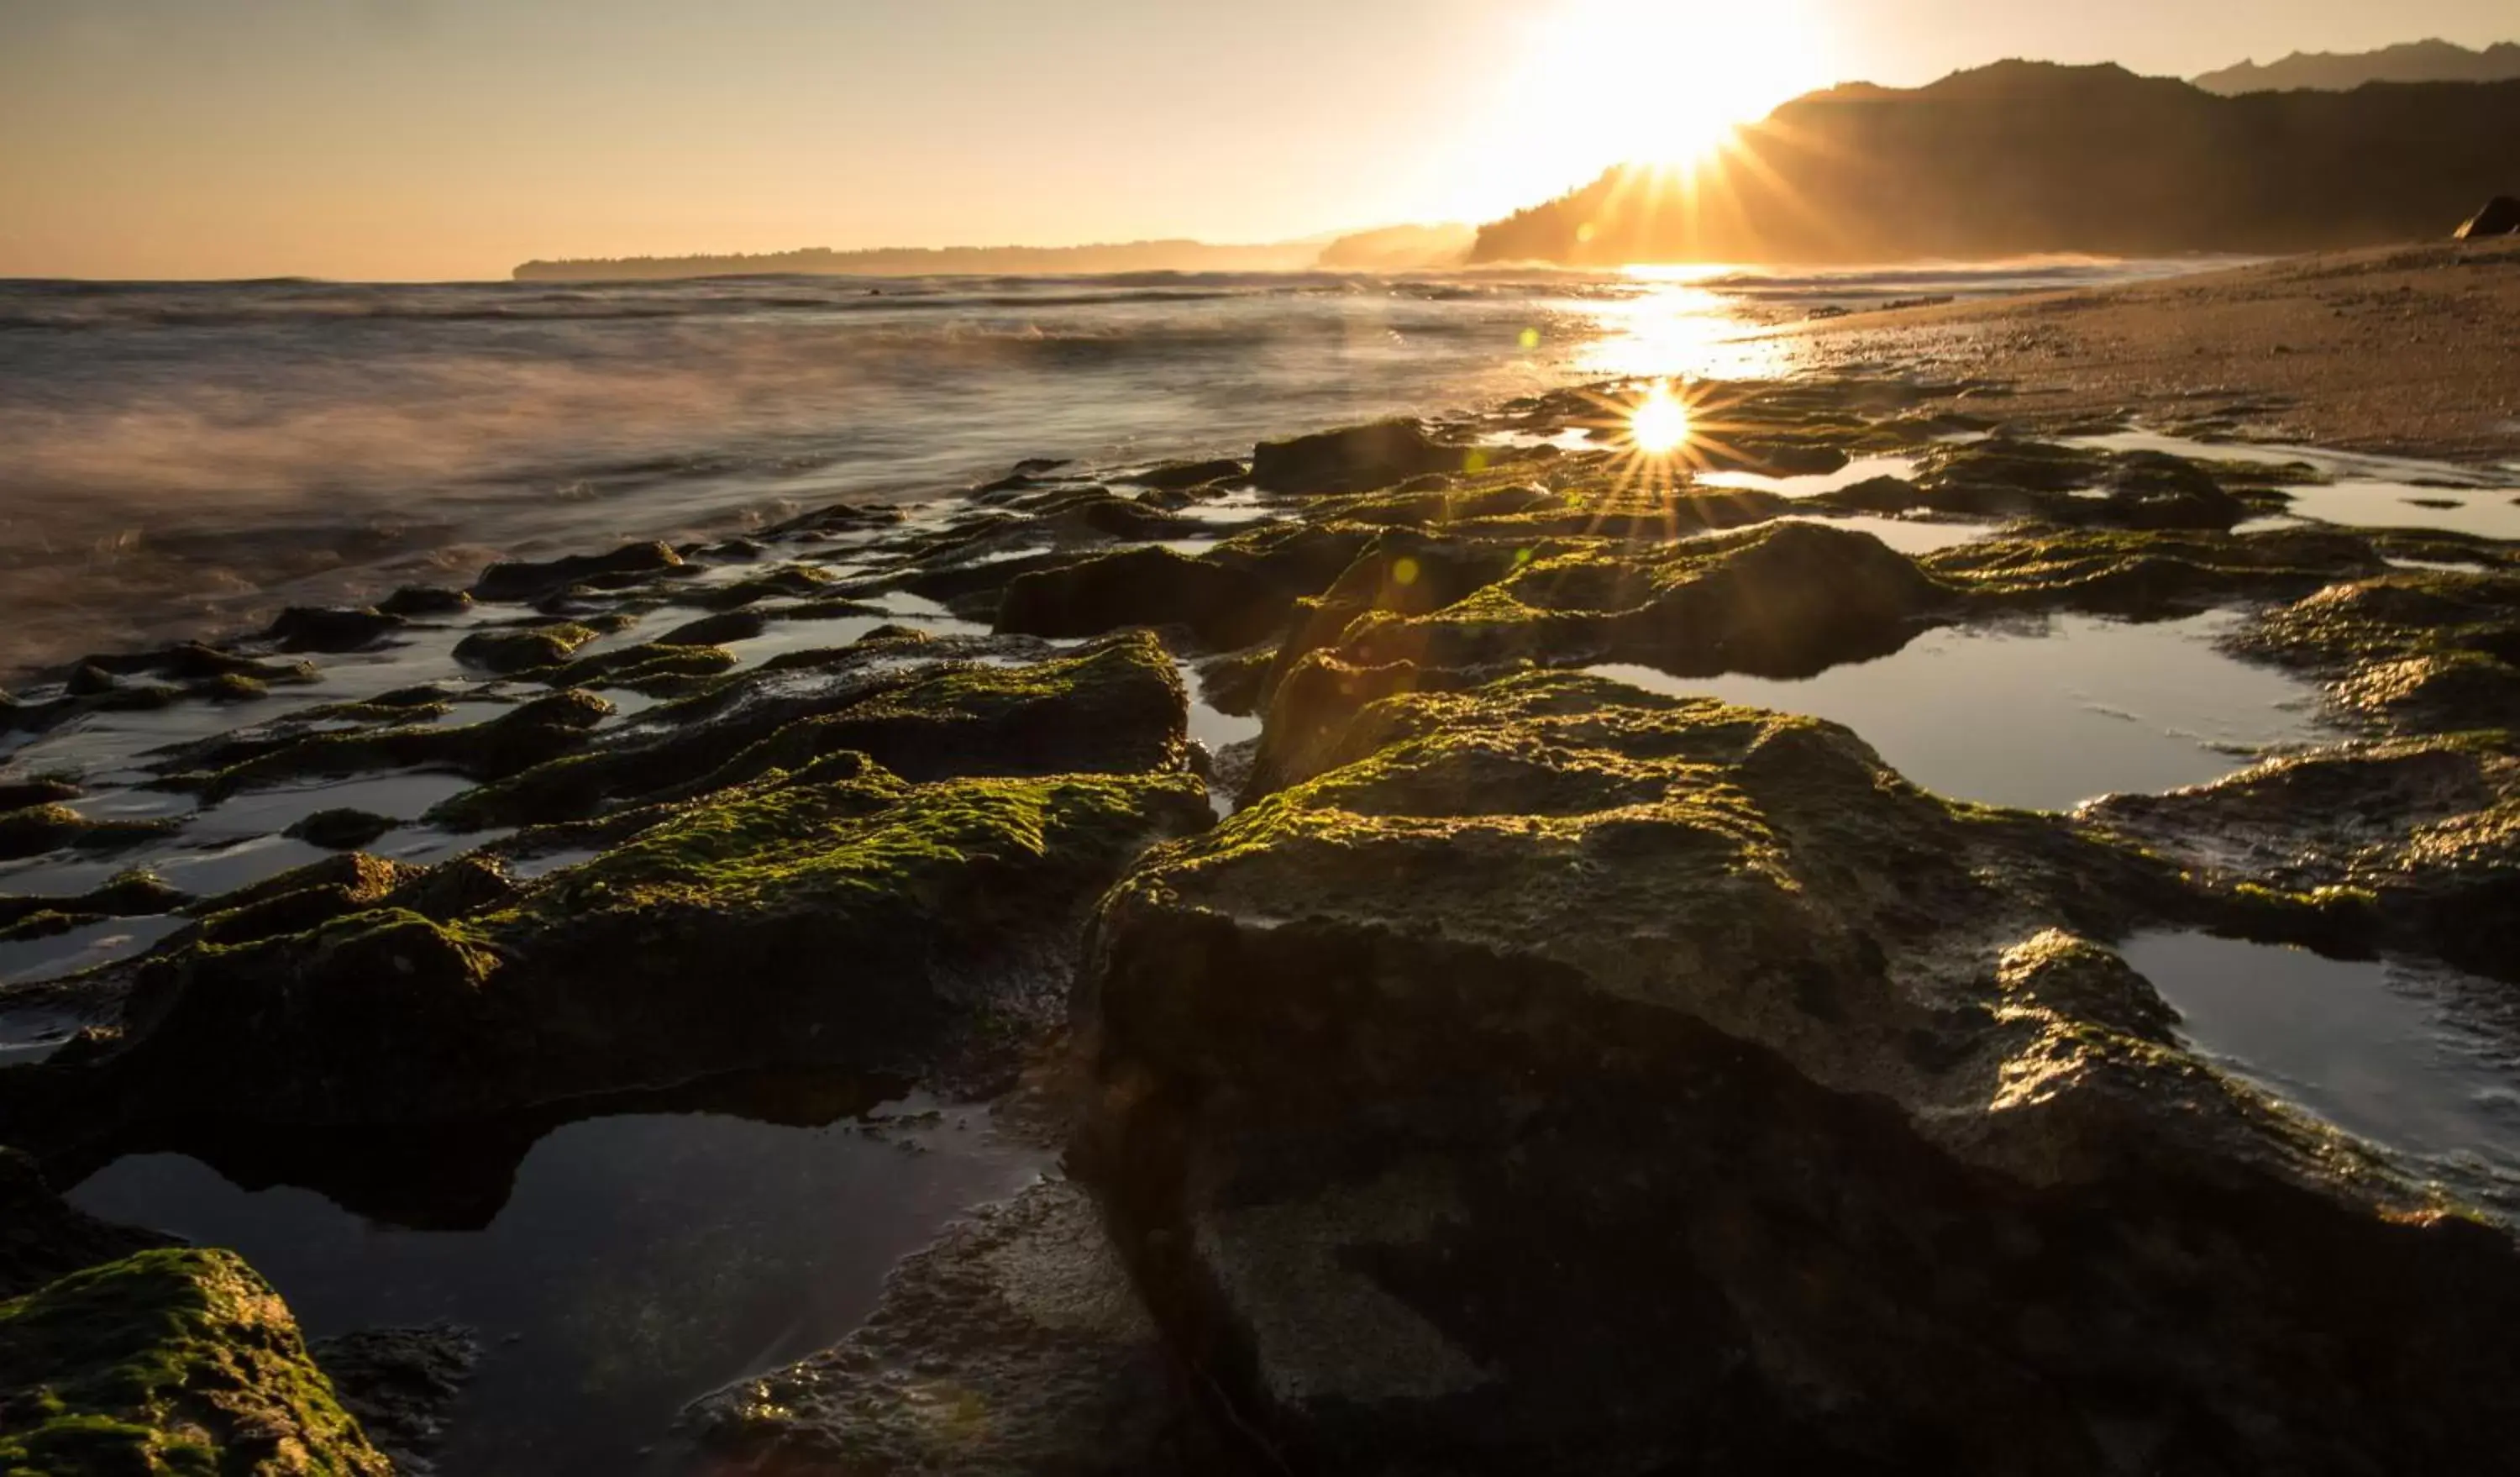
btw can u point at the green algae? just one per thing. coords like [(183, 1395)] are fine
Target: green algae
[(1117, 706), (34, 829), (528, 735), (870, 846), (174, 1361), (640, 668), (2149, 574), (512, 650)]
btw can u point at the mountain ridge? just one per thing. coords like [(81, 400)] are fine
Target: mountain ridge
[(2030, 157), (2432, 59)]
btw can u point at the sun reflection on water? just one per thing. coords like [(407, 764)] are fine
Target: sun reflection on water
[(1672, 327)]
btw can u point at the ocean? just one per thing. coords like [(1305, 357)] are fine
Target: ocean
[(181, 459)]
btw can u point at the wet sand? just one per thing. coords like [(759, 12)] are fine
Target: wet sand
[(2404, 350)]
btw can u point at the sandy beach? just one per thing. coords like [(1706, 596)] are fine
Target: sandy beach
[(2404, 350)]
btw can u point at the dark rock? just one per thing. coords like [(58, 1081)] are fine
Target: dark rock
[(1775, 459), (87, 680), (520, 581), (1438, 506), (2501, 216), (173, 1361), (1570, 1080), (653, 668), (1118, 707), (133, 894), (296, 901), (786, 582), (402, 1383), (425, 600), (834, 916), (1781, 599), (44, 1238), (306, 628), (36, 789), (2421, 652), (512, 649), (453, 888), (1226, 607), (192, 661), (33, 829), (2415, 843), (713, 630), (837, 517), (230, 689), (525, 736), (1357, 459), (1025, 1311), (2149, 576), (1181, 476), (341, 829), (2150, 489)]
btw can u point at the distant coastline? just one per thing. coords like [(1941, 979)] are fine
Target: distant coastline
[(1393, 248)]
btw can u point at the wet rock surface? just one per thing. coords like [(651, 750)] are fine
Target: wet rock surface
[(400, 1383), (1015, 1345), (1830, 1108), (1468, 1064)]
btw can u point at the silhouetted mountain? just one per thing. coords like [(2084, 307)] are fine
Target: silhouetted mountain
[(2024, 157), (2342, 71), (941, 261)]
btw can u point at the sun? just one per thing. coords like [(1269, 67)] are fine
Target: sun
[(1656, 83), (1659, 426), (1684, 74)]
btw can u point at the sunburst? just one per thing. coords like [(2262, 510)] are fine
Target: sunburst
[(1660, 434)]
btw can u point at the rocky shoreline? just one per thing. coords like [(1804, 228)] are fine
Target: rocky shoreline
[(1483, 1066)]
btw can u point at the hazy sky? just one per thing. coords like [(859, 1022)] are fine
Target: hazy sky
[(453, 138)]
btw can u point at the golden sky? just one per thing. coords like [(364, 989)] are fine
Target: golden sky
[(454, 137)]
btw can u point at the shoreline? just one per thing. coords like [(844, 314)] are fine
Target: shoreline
[(1416, 763), (2403, 351)]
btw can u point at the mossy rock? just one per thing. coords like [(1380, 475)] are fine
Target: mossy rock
[(2152, 575), (794, 581), (531, 734), (425, 600), (1225, 605), (837, 916), (648, 665), (2422, 833), (1117, 708), (135, 893), (524, 580), (33, 829), (1783, 599), (1356, 459), (1562, 1077), (716, 630), (508, 651), (168, 1361)]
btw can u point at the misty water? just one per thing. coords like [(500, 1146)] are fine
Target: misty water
[(177, 458)]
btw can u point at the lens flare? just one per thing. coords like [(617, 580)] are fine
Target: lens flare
[(1659, 425)]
